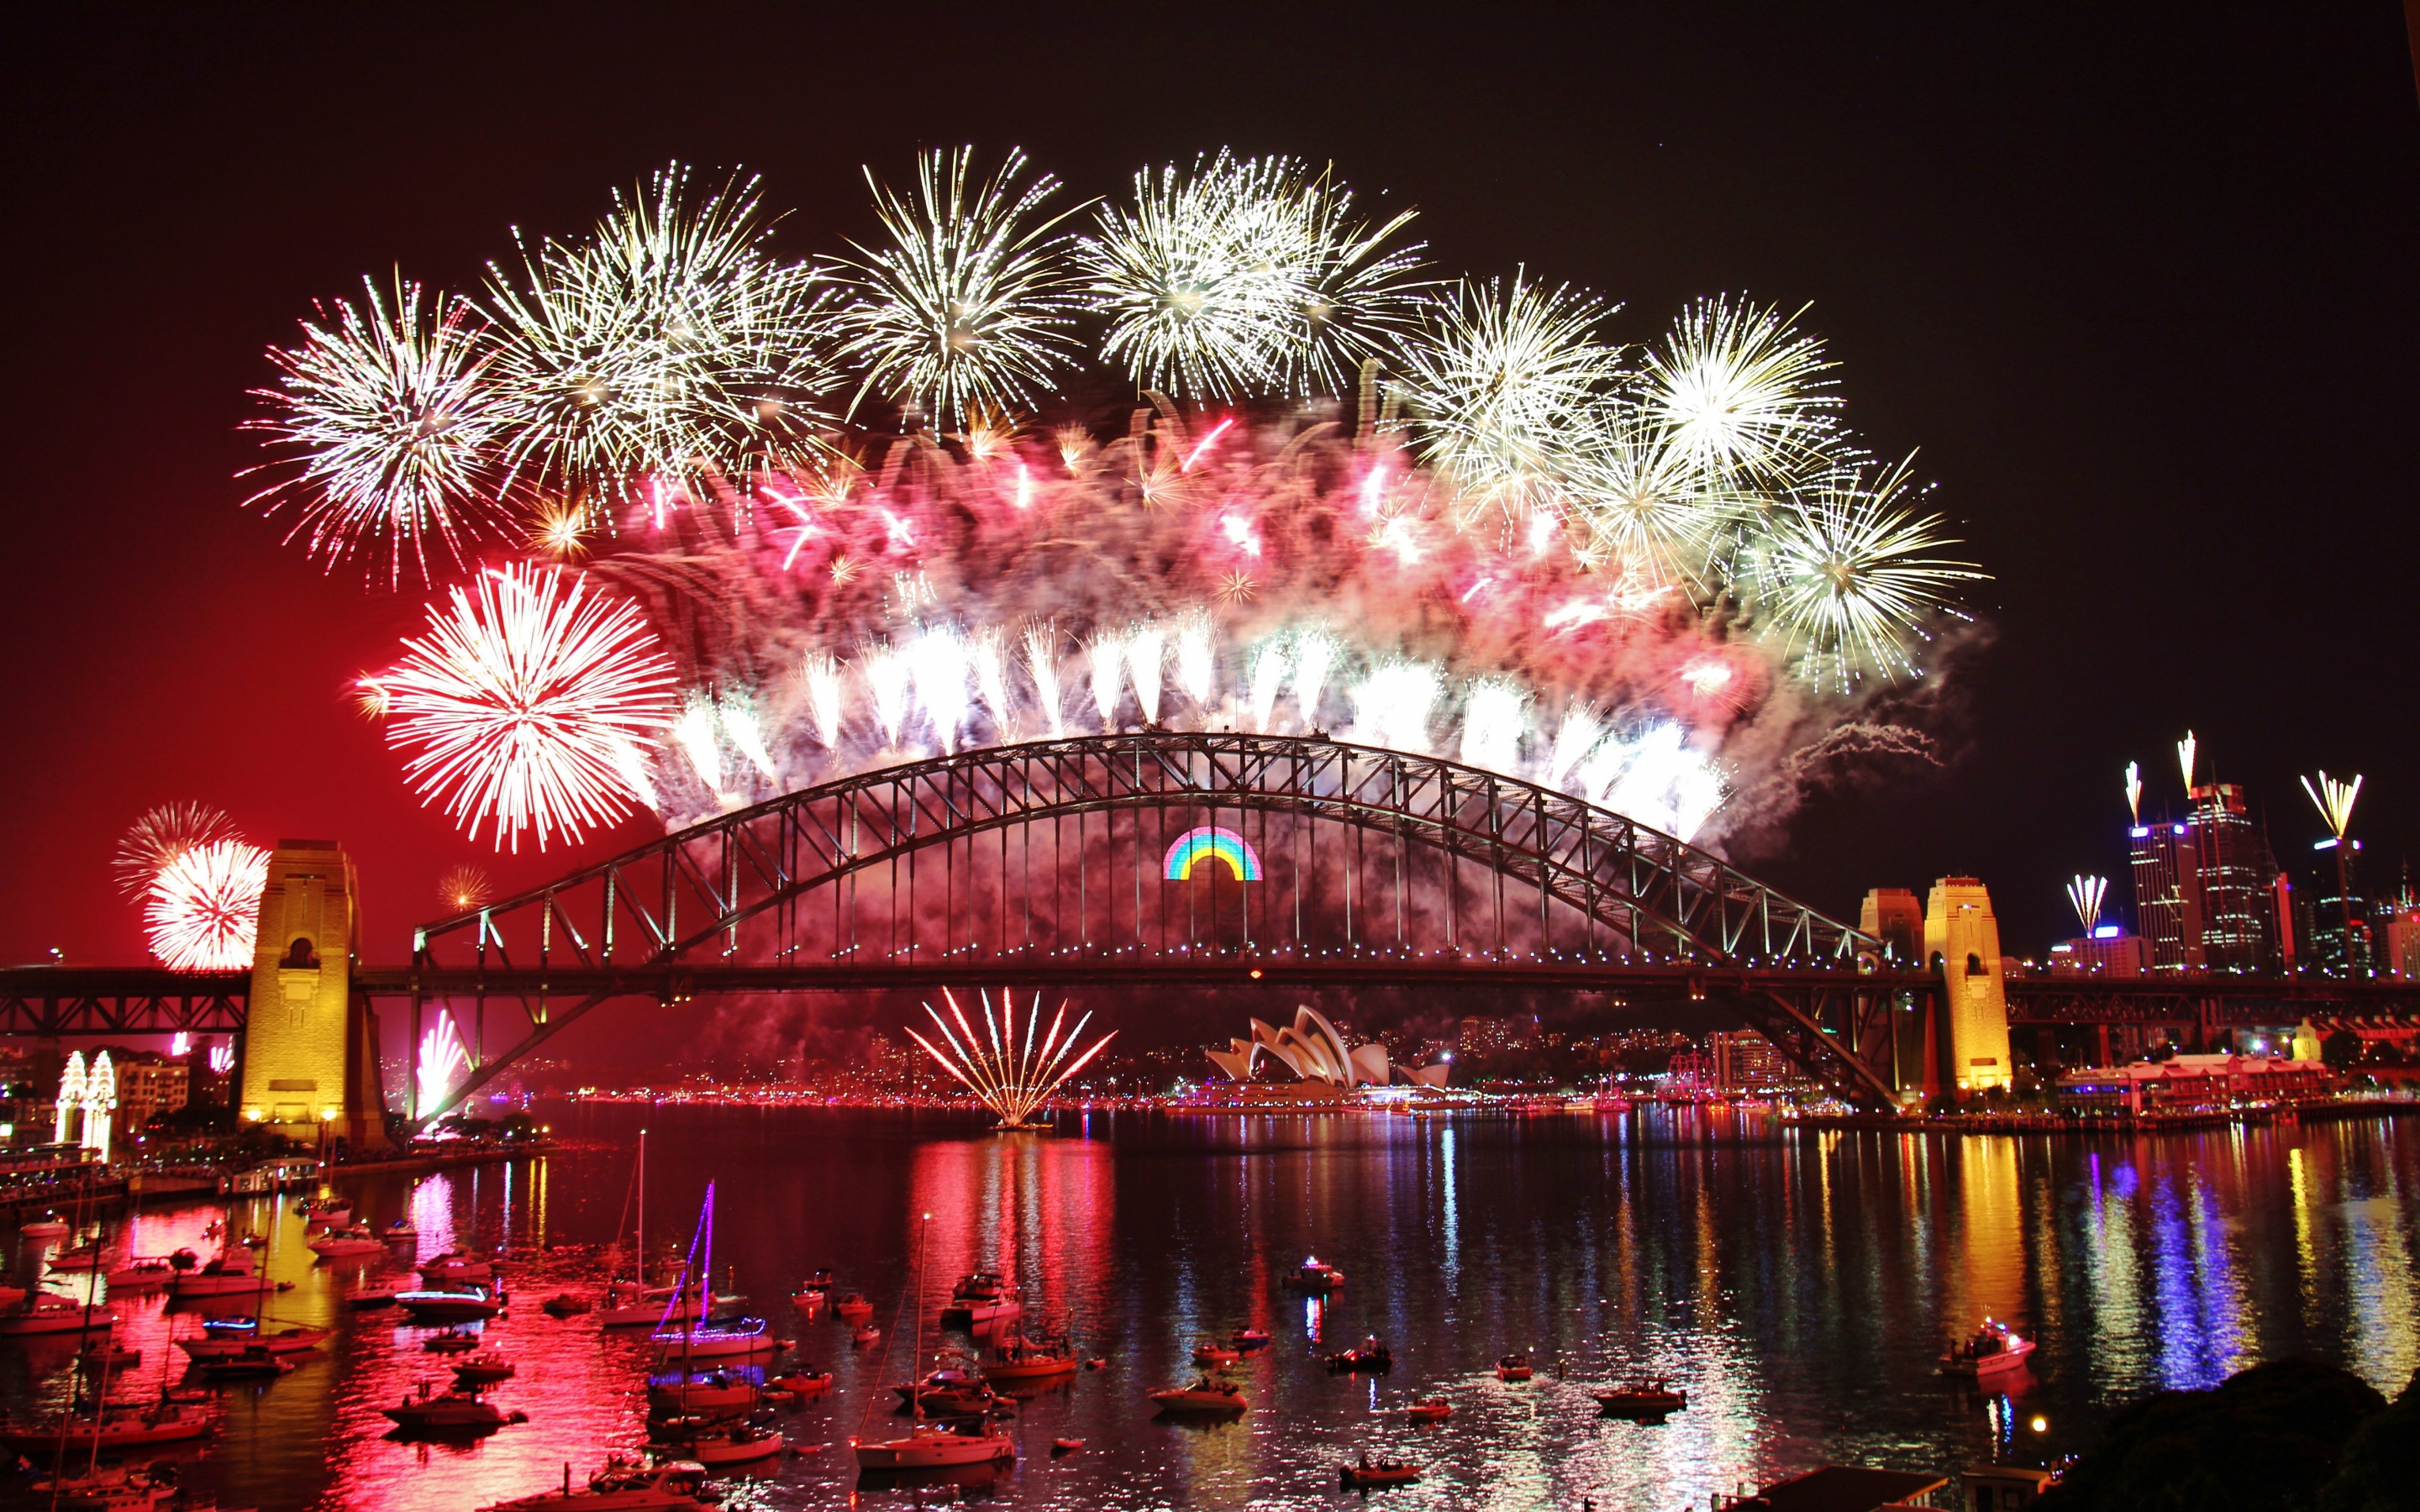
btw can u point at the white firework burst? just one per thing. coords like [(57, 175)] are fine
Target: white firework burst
[(162, 834), (203, 909), (967, 308), (392, 431), (1649, 504), (1845, 576), (1742, 390), (519, 703), (1502, 377), (668, 344)]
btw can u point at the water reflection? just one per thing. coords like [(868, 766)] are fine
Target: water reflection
[(1798, 1289)]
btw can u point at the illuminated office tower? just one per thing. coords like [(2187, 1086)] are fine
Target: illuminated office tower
[(2340, 934), (2168, 893), (2235, 928)]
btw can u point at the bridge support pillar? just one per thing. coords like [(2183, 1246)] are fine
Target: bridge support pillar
[(1962, 940), (310, 1055)]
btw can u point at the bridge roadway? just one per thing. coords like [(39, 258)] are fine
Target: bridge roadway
[(120, 1000)]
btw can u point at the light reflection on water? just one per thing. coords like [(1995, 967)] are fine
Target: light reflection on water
[(1798, 1287)]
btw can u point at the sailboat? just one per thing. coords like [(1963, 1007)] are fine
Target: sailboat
[(929, 1445), (629, 1302), (683, 1337)]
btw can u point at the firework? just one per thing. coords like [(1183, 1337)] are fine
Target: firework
[(442, 1059), (1576, 735), (1041, 645), (820, 672), (2086, 894), (203, 912), (2334, 801), (160, 837), (1196, 659), (1646, 503), (1012, 1078), (1847, 575), (1146, 656), (1502, 375), (889, 679), (991, 681), (1107, 658), (1315, 657), (1268, 681), (2134, 793), (2185, 749), (1494, 719), (389, 429), (694, 732), (1392, 706), (1740, 389), (937, 659), (670, 338), (736, 714), (464, 888), (966, 308), (516, 702)]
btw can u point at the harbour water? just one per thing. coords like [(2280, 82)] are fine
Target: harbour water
[(1799, 1287)]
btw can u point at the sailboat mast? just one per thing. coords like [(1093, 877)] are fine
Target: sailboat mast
[(643, 1216)]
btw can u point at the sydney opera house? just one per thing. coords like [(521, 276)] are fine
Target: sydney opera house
[(1319, 1057)]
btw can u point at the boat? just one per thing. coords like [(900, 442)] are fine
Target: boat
[(864, 1333), (371, 1294), (324, 1210), (715, 1340), (813, 1296), (981, 1298), (622, 1485), (1314, 1276), (629, 1305), (115, 1429), (336, 1243), (928, 1446), (458, 1265), (48, 1226), (1380, 1473), (1652, 1398), (453, 1341), (221, 1342), (1022, 1359), (1204, 1397), (1249, 1338), (738, 1445), (230, 1273), (852, 1308), (485, 1368), (436, 1305), (1066, 1446), (1430, 1410), (116, 1490), (142, 1272), (104, 1353), (84, 1257), (802, 1382), (1211, 1353), (402, 1232), (1514, 1366), (564, 1305), (1990, 1349), (1370, 1358), (46, 1312), (450, 1412), (718, 1391), (251, 1361)]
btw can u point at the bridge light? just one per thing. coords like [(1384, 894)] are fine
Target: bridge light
[(1256, 973)]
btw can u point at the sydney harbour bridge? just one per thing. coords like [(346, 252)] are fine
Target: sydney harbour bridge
[(1122, 862)]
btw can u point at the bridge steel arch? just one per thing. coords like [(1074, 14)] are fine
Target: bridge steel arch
[(775, 897)]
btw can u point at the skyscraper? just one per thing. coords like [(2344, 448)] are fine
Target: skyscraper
[(2338, 903), (2168, 893), (2234, 902)]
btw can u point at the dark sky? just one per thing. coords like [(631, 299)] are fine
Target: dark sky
[(2144, 288)]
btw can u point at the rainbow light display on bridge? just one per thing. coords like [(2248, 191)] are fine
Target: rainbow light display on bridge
[(1212, 842)]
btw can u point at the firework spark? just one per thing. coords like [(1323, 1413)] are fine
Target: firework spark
[(514, 703), (204, 908), (160, 837), (1740, 389), (2334, 801), (464, 889), (2086, 894), (1493, 722), (966, 307), (442, 1059), (391, 432), (1012, 1079), (1849, 577)]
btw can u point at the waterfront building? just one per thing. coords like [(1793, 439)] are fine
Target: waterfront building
[(2192, 1083), (2107, 951), (1742, 1061), (2229, 858), (2340, 935)]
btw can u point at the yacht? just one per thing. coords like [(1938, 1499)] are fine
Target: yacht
[(1315, 1277), (723, 1338), (226, 1338), (458, 1265), (48, 1313), (451, 1411), (622, 1485), (1990, 1349), (1212, 1352), (1206, 1396), (736, 1445), (629, 1305), (717, 1390), (358, 1239), (438, 1305), (1022, 1359), (1648, 1399), (48, 1226), (230, 1273), (110, 1490), (141, 1272), (246, 1364), (1430, 1410), (115, 1428), (981, 1298), (928, 1445)]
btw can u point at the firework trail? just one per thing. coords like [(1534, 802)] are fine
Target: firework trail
[(441, 1060), (2335, 799), (203, 912), (1011, 1079), (162, 834), (514, 703), (1684, 554), (2086, 894), (464, 889)]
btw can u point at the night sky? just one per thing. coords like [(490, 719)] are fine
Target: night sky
[(2144, 292)]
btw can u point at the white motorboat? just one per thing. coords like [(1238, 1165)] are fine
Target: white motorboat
[(1992, 1348), (142, 1272), (450, 1412), (978, 1298), (673, 1486), (1316, 1276), (336, 1243), (458, 1265), (48, 1226), (228, 1274), (738, 1445), (48, 1313), (433, 1304), (325, 1210), (629, 1305), (930, 1446), (484, 1368)]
